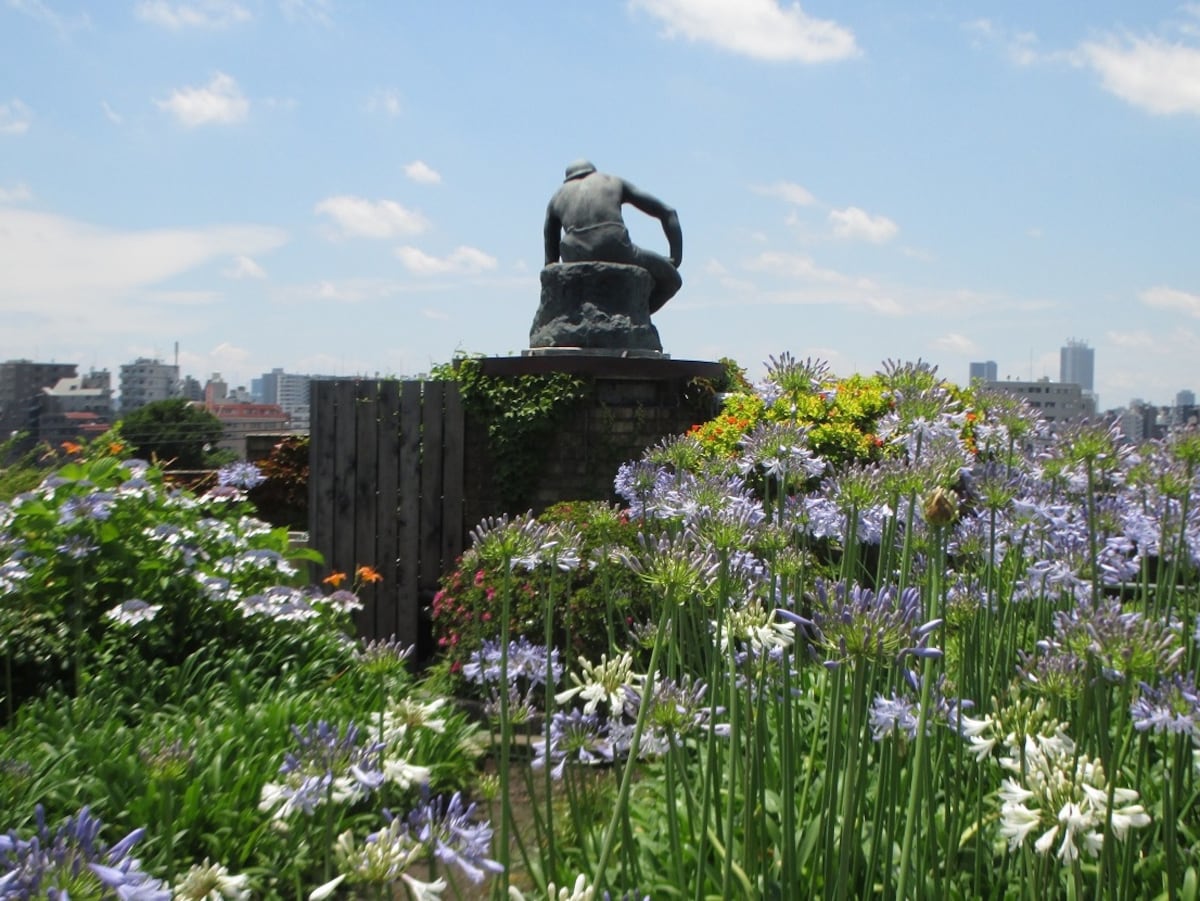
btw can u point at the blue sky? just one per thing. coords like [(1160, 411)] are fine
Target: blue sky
[(359, 187)]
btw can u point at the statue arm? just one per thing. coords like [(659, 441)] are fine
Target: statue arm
[(552, 234), (652, 206)]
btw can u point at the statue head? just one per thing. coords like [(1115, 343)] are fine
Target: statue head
[(579, 169)]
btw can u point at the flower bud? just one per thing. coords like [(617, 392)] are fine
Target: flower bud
[(941, 507)]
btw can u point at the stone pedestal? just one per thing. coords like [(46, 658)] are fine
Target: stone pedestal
[(632, 403), (595, 306)]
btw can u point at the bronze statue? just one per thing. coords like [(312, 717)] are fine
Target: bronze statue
[(584, 224)]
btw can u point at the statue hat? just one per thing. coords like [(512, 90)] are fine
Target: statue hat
[(579, 169)]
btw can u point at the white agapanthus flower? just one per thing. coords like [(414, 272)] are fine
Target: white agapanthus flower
[(403, 774), (581, 891), (212, 882), (380, 861), (607, 681), (407, 713), (1063, 799), (756, 626)]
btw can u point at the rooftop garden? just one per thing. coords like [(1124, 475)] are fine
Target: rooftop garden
[(873, 636)]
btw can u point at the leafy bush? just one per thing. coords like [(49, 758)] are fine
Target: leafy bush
[(102, 545), (595, 602), (282, 497), (219, 712), (206, 773), (842, 416)]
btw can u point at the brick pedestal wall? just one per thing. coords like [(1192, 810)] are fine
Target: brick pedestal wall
[(633, 404)]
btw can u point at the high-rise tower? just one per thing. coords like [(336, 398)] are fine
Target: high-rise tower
[(1077, 365)]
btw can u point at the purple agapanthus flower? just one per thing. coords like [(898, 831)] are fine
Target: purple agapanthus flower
[(893, 716), (327, 766), (851, 624), (526, 661), (73, 858), (450, 830), (1125, 643), (781, 451), (575, 737), (240, 475), (1172, 706), (640, 484)]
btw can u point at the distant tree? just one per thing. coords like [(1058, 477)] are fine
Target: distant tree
[(172, 431)]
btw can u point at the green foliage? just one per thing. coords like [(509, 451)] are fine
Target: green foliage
[(24, 470), (179, 723), (102, 532), (173, 431), (841, 415), (186, 754), (521, 413), (593, 605)]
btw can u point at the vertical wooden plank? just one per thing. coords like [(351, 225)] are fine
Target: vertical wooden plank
[(321, 471), (453, 451), (408, 521), (342, 555), (432, 430), (366, 457), (386, 505)]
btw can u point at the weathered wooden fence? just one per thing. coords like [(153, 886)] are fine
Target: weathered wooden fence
[(386, 491)]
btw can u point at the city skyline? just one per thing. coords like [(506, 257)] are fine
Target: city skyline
[(348, 189)]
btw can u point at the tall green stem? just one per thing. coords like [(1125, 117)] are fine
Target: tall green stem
[(619, 811)]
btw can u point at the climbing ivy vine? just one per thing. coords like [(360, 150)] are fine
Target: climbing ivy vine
[(522, 414)]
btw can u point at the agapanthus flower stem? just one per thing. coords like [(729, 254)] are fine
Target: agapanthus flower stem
[(849, 839), (919, 763), (620, 810), (504, 852)]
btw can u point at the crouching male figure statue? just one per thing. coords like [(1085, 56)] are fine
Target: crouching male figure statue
[(583, 224)]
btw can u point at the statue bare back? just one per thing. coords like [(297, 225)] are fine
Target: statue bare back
[(584, 223)]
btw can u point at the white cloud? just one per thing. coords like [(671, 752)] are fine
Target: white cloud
[(955, 343), (1140, 339), (920, 254), (219, 102), (386, 101), (1020, 47), (761, 29), (232, 356), (316, 11), (111, 114), (18, 193), (817, 285), (460, 260), (860, 225), (787, 191), (362, 218), (198, 14), (422, 173), (15, 117), (794, 265), (354, 290), (62, 276), (37, 9), (1165, 298), (244, 267), (1151, 73)]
